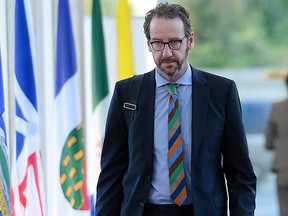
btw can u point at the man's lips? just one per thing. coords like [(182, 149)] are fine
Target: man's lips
[(168, 61)]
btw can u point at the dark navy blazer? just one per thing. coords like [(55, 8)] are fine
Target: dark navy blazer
[(219, 151)]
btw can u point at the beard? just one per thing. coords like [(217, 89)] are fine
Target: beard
[(178, 69)]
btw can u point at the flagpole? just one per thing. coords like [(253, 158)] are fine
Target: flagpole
[(46, 83)]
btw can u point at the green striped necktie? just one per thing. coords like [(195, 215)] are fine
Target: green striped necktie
[(178, 191)]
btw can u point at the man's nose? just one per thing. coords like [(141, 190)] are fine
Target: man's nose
[(166, 51)]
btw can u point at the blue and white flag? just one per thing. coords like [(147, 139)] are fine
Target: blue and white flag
[(27, 182), (68, 164), (5, 204)]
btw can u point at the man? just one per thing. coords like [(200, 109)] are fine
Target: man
[(138, 160), (277, 139)]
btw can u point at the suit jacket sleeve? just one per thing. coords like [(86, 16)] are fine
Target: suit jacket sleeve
[(241, 180), (114, 160)]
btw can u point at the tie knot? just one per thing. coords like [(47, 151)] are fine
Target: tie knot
[(172, 88)]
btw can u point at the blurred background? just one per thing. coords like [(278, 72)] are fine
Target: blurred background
[(242, 40)]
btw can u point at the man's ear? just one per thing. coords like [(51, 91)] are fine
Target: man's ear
[(191, 41)]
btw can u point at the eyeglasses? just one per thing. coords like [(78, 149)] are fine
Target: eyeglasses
[(173, 44)]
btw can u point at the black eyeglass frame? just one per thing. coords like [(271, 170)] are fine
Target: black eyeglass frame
[(168, 43)]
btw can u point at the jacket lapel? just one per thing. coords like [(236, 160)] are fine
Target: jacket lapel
[(200, 102)]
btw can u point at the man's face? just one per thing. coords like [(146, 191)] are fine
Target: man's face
[(171, 64)]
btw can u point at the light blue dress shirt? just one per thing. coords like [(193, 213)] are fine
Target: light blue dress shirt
[(160, 189)]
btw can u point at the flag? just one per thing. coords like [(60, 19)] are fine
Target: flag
[(27, 193), (5, 204), (124, 41), (100, 99), (68, 163)]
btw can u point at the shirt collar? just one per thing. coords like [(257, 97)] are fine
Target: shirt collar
[(185, 79)]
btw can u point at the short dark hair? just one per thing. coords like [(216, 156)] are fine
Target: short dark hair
[(168, 11), (286, 80)]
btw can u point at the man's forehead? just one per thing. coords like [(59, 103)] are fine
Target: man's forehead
[(171, 28)]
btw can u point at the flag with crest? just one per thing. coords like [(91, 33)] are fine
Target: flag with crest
[(68, 160)]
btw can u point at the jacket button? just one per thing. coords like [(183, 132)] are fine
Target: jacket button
[(149, 178), (142, 204)]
